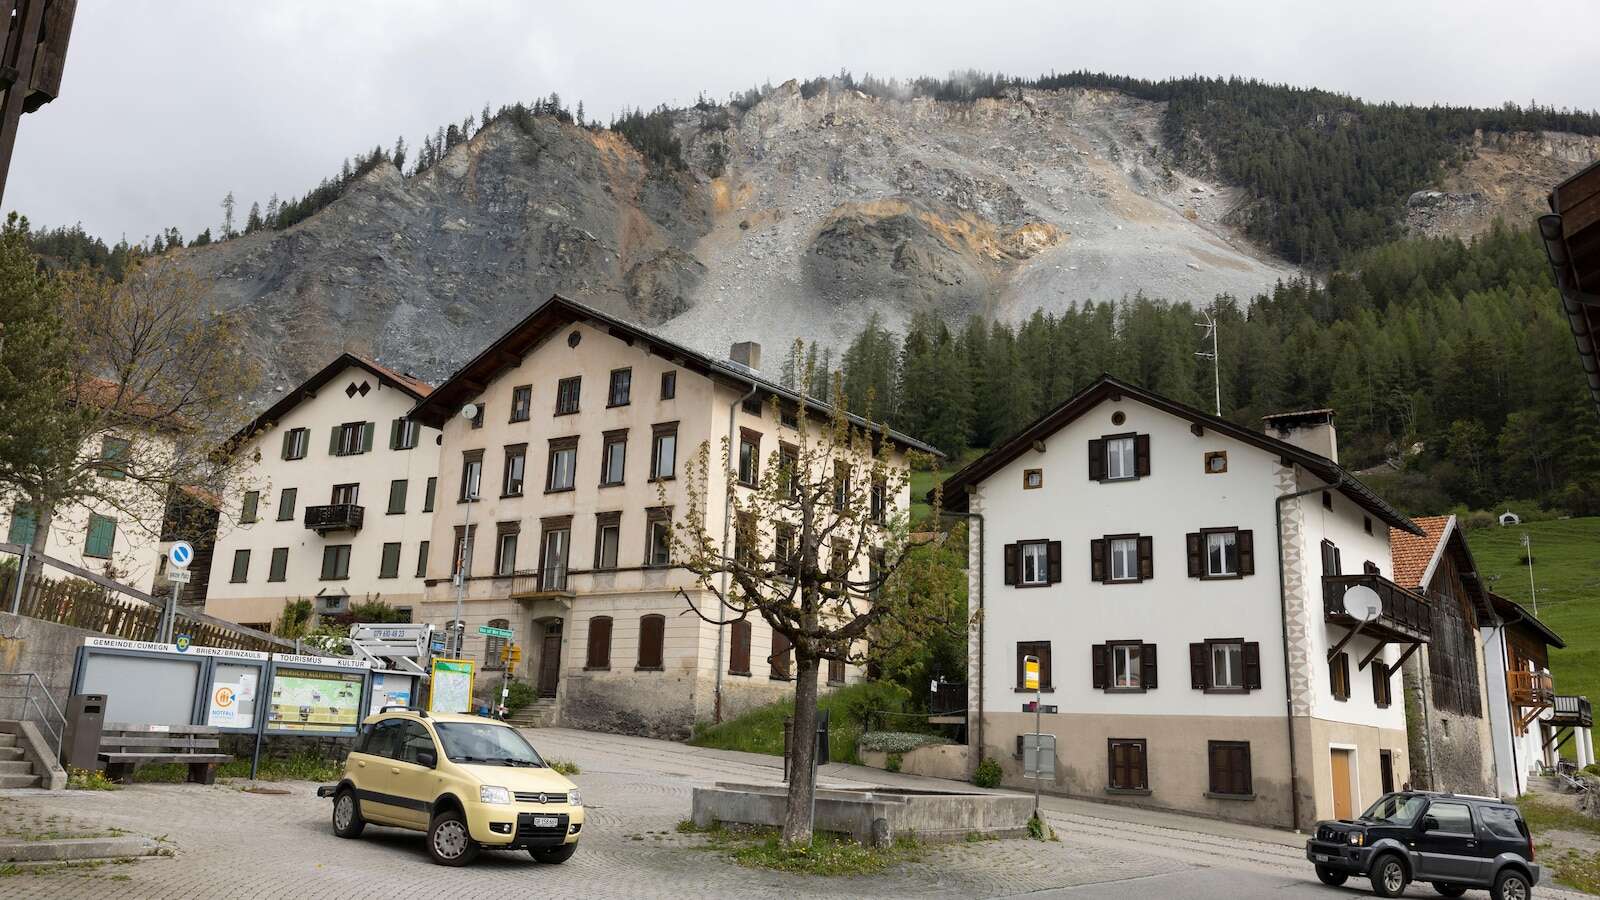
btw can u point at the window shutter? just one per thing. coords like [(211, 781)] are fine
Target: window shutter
[(1097, 460), (1252, 665), (1247, 552), (1197, 559), (1199, 678), (333, 441), (651, 634), (599, 643), (288, 438), (367, 431), (1141, 454), (1147, 666), (1011, 563), (740, 661), (394, 434), (1147, 565), (1380, 683), (1098, 666), (1044, 664), (1097, 560), (1054, 551)]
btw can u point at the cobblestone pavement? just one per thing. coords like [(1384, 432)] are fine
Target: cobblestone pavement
[(229, 843)]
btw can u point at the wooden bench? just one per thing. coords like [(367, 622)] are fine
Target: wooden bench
[(125, 747)]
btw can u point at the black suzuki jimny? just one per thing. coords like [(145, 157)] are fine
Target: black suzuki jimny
[(1452, 841)]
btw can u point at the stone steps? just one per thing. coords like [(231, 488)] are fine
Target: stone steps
[(15, 770), (19, 781), (10, 753), (16, 767), (7, 740)]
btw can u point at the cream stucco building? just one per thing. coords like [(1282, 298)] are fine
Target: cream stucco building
[(1181, 579), (333, 500)]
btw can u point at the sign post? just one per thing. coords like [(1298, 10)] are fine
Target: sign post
[(179, 555), (1030, 679)]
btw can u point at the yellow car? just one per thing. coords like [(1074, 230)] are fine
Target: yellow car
[(469, 782)]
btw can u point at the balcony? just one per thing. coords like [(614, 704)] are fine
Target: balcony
[(540, 584), (1406, 616), (337, 517), (1533, 689), (1570, 710)]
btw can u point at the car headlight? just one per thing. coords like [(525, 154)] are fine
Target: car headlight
[(488, 793), (574, 798), (1358, 838)]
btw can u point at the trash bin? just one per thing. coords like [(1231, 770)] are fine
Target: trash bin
[(86, 719)]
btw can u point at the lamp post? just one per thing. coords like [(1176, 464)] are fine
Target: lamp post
[(464, 551)]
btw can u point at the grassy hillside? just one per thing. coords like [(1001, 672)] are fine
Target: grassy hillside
[(1566, 570)]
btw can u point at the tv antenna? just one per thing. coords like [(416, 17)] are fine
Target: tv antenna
[(1210, 325)]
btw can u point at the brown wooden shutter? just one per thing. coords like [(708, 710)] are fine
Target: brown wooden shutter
[(1043, 649), (1147, 564), (739, 656), (1247, 552), (1147, 666), (1097, 460), (1252, 665), (1141, 454), (1053, 551), (836, 671), (1197, 558), (652, 634), (1011, 563), (780, 655), (1097, 560), (1380, 683), (1199, 677), (1022, 651), (599, 656), (1098, 666)]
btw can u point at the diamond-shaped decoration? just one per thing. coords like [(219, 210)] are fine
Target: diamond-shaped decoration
[(363, 389), (350, 389)]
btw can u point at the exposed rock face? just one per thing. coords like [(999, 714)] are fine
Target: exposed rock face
[(1507, 177)]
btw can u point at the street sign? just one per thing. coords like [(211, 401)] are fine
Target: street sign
[(511, 653), (1039, 756), (1030, 673), (492, 631), (179, 555), (179, 576)]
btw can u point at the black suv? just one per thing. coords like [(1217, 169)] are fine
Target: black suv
[(1453, 841)]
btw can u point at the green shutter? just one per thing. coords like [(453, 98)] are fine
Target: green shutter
[(427, 496), (101, 538), (397, 496), (252, 501), (288, 441), (422, 560), (390, 566), (24, 525), (394, 434), (280, 564), (333, 441), (367, 430)]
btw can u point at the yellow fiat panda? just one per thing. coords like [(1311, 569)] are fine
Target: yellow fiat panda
[(469, 782)]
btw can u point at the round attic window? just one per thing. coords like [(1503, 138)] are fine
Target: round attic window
[(574, 338), (1117, 418)]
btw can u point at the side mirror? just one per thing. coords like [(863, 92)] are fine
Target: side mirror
[(427, 758), (1429, 823)]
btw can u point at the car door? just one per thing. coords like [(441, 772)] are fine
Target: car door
[(1447, 844), (369, 767), (413, 781)]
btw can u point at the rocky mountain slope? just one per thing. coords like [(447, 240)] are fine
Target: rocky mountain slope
[(796, 218)]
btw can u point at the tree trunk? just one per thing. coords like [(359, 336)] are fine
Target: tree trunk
[(802, 750), (44, 518)]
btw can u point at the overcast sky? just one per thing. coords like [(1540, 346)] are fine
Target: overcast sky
[(169, 104)]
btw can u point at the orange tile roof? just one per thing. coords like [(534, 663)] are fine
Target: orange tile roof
[(421, 388), (1411, 553)]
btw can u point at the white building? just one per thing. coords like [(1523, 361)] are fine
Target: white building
[(334, 502), (1529, 721), (1181, 579)]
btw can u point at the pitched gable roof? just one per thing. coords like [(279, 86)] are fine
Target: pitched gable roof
[(1107, 387), (559, 312), (1415, 555), (1513, 613), (412, 386)]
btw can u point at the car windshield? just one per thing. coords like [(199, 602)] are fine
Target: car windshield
[(485, 742), (1395, 809)]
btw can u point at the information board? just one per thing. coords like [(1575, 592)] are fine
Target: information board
[(392, 689), (313, 700), (232, 701), (450, 688)]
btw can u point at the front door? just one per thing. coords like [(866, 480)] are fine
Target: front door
[(1447, 847), (550, 660), (1342, 784), (1386, 770)]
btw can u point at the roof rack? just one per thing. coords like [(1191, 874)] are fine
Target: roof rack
[(403, 708)]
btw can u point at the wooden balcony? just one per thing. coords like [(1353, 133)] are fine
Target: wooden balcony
[(540, 584), (336, 517), (1570, 710), (1534, 689), (1406, 617)]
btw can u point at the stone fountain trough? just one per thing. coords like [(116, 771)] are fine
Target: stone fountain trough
[(871, 815)]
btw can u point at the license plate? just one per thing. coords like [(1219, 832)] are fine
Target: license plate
[(545, 821), (1320, 857)]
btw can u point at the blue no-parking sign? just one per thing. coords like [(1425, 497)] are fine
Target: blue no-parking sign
[(180, 555)]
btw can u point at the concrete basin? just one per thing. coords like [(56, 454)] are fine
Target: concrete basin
[(871, 815)]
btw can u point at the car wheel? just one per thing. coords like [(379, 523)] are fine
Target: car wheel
[(1329, 876), (1388, 876), (554, 855), (1510, 884), (1449, 890), (450, 842), (347, 821)]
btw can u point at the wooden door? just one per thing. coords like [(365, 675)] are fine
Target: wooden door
[(550, 660), (1341, 784), (1386, 767)]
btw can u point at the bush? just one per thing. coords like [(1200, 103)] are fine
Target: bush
[(987, 774), (897, 741), (90, 780), (892, 764), (521, 694)]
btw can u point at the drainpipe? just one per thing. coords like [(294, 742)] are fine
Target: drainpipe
[(1288, 688), (727, 527), (978, 519)]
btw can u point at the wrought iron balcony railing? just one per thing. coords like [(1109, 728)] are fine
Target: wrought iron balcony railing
[(335, 517)]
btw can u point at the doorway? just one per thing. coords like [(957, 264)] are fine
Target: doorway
[(1343, 799), (550, 659), (1386, 770)]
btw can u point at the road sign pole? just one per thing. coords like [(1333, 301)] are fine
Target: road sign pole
[(171, 617), (1038, 737)]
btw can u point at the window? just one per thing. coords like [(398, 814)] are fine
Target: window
[(389, 562), (669, 385), (335, 562), (1221, 553), (1339, 676), (351, 438), (598, 655), (1040, 650), (1121, 558), (621, 389), (749, 457), (789, 416), (836, 671), (1451, 818), (658, 538), (1331, 564), (505, 548), (1125, 666), (403, 434), (1366, 524), (515, 470), (663, 451), (1381, 696), (789, 462), (1119, 457), (346, 495), (1229, 762), (241, 567), (553, 559), (1124, 559), (1126, 766), (461, 553), (563, 464), (607, 538), (781, 656), (841, 484), (1501, 821), (114, 457), (422, 559), (745, 538), (1216, 462), (24, 525), (1223, 665), (739, 652), (521, 402), (1327, 500), (428, 492), (295, 442), (879, 502), (751, 405), (1227, 666), (494, 646), (250, 507), (278, 570), (477, 415), (783, 546), (1032, 479), (286, 502), (613, 457), (471, 474), (101, 538), (397, 496), (567, 390), (652, 635), (1033, 563)]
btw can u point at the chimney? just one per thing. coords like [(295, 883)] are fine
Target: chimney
[(1310, 429), (747, 354)]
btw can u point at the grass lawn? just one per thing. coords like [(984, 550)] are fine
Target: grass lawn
[(1564, 839), (925, 481), (760, 730)]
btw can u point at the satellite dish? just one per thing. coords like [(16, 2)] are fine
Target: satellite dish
[(1362, 603), (470, 411)]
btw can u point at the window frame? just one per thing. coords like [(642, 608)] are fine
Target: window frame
[(250, 508), (1206, 534), (113, 465), (739, 648), (1043, 548), (590, 662), (1143, 773), (430, 493), (493, 646), (608, 440), (569, 389), (288, 498), (749, 469), (278, 565), (505, 564), (659, 434), (1339, 676), (344, 446), (471, 476), (1041, 650), (1133, 456), (1032, 479), (1243, 685), (669, 384), (605, 522), (1133, 652), (422, 559), (1212, 770), (239, 573), (296, 444), (655, 643), (515, 459), (626, 383), (385, 570), (562, 448), (339, 559), (405, 434), (402, 486), (345, 494), (658, 519), (1112, 540), (521, 403), (556, 531)]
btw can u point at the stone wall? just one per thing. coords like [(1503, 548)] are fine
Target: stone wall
[(44, 648), (1449, 751), (659, 706)]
